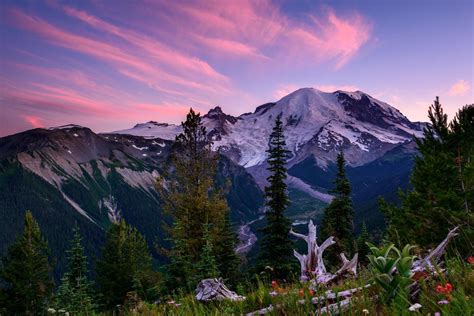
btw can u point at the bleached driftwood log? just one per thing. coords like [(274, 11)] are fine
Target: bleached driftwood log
[(312, 264), (215, 289), (262, 311), (331, 296), (432, 260)]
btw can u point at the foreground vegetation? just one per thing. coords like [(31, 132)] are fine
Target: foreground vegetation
[(295, 298)]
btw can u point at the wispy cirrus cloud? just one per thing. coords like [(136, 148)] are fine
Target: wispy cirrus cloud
[(163, 57)]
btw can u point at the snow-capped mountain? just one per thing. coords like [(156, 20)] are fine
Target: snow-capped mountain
[(316, 123)]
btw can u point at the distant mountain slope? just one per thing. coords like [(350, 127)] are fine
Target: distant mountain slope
[(71, 175)]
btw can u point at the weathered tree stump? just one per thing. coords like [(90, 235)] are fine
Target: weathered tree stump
[(312, 264)]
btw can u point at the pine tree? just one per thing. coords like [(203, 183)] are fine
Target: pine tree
[(190, 199), (276, 247), (443, 184), (125, 263), (26, 272), (207, 266), (75, 292), (338, 219)]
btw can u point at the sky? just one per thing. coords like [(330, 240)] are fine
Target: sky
[(111, 64)]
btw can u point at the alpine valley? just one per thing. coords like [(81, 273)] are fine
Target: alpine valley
[(70, 175)]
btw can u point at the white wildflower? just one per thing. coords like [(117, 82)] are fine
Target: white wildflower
[(414, 307)]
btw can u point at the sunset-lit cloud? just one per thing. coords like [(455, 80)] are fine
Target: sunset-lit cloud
[(110, 67), (461, 87), (34, 121)]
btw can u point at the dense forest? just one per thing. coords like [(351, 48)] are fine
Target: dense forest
[(201, 243)]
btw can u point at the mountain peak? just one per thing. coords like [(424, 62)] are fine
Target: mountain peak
[(218, 115)]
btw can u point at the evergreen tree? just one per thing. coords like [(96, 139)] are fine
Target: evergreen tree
[(338, 219), (26, 272), (276, 247), (125, 265), (228, 260), (443, 184), (207, 266), (75, 292), (362, 247), (190, 199)]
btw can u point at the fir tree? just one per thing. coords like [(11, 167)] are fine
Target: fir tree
[(26, 272), (125, 265), (190, 199), (443, 184), (276, 247), (75, 292), (338, 219), (207, 266)]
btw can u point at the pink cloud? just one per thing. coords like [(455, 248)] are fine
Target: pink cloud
[(330, 38), (111, 54), (460, 88), (159, 51), (252, 28), (34, 121), (284, 90), (232, 47)]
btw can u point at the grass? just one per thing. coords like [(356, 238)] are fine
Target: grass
[(295, 298)]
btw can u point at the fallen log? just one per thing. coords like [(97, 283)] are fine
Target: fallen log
[(432, 260), (262, 311), (331, 296), (215, 289)]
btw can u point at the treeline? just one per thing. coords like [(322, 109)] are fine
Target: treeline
[(201, 240)]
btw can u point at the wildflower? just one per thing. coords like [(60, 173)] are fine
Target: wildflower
[(443, 302), (301, 292), (365, 311), (273, 293), (414, 307), (440, 289), (448, 287), (470, 259), (274, 284), (51, 310), (311, 292)]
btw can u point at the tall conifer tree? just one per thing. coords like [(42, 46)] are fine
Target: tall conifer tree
[(191, 199), (75, 292), (276, 247), (26, 273), (125, 265), (338, 219)]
